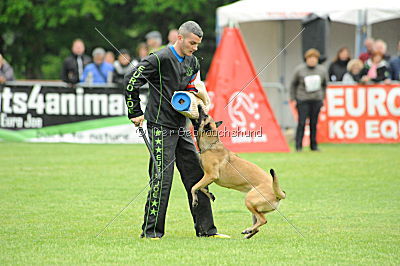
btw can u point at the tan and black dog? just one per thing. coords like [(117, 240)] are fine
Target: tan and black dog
[(226, 169)]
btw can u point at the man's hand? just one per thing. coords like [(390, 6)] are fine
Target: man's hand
[(138, 121)]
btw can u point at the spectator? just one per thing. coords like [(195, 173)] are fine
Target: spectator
[(172, 36), (375, 69), (381, 47), (369, 44), (308, 90), (353, 74), (98, 71), (74, 64), (154, 41), (122, 66), (395, 65), (6, 71), (109, 57), (339, 65), (142, 51)]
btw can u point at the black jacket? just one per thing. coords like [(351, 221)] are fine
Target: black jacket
[(337, 70), (165, 74), (382, 71), (69, 72), (120, 71)]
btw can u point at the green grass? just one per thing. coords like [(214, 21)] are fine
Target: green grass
[(55, 198)]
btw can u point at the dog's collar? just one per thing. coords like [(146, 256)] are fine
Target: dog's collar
[(209, 147)]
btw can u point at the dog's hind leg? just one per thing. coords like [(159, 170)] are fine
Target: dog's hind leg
[(208, 193), (259, 217), (254, 222)]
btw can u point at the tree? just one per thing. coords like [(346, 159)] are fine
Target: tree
[(37, 35)]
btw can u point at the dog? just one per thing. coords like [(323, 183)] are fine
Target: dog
[(227, 169)]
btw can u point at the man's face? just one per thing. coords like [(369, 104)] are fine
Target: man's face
[(369, 44), (172, 36), (189, 43), (98, 59), (78, 48), (124, 59)]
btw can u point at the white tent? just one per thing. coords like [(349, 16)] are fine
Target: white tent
[(268, 26), (339, 11)]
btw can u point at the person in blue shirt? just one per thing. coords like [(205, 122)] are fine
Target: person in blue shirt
[(395, 65), (98, 71)]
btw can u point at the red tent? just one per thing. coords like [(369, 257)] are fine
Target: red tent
[(239, 100)]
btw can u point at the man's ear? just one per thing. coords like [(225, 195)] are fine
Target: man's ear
[(217, 124)]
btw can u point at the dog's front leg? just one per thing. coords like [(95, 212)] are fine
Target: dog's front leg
[(205, 181)]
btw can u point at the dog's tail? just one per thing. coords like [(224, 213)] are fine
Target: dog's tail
[(275, 184)]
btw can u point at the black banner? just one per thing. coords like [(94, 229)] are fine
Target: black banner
[(30, 104)]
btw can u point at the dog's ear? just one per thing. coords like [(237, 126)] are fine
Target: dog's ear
[(217, 124), (202, 114), (195, 123)]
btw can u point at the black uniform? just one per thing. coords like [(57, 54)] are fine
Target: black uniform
[(167, 73)]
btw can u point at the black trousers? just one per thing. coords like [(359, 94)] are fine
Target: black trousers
[(169, 147), (307, 109)]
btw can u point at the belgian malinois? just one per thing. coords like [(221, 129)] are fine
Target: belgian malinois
[(226, 169)]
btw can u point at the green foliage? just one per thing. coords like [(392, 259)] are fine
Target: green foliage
[(36, 33)]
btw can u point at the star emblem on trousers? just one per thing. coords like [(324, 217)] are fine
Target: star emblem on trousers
[(153, 212), (154, 203), (158, 141), (158, 150)]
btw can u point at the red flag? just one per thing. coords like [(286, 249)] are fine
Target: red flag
[(249, 122)]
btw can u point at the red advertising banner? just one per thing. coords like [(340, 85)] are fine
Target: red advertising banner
[(360, 114), (240, 101)]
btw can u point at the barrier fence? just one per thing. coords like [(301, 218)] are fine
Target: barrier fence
[(43, 111)]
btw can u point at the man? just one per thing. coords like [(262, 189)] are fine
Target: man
[(6, 71), (172, 36), (74, 64), (395, 65), (122, 66), (171, 69), (380, 46), (154, 41), (308, 90), (369, 45), (98, 71)]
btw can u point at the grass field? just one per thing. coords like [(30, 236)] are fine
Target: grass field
[(55, 198)]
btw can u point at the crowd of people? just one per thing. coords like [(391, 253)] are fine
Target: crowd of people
[(374, 65), (103, 67), (310, 79)]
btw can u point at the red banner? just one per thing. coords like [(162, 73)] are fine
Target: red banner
[(239, 100), (360, 114)]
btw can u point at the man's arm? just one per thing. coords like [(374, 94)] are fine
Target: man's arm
[(132, 82), (324, 84), (64, 75), (293, 85), (84, 74)]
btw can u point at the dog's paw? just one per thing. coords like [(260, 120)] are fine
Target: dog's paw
[(212, 196), (195, 202), (247, 231), (248, 236)]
